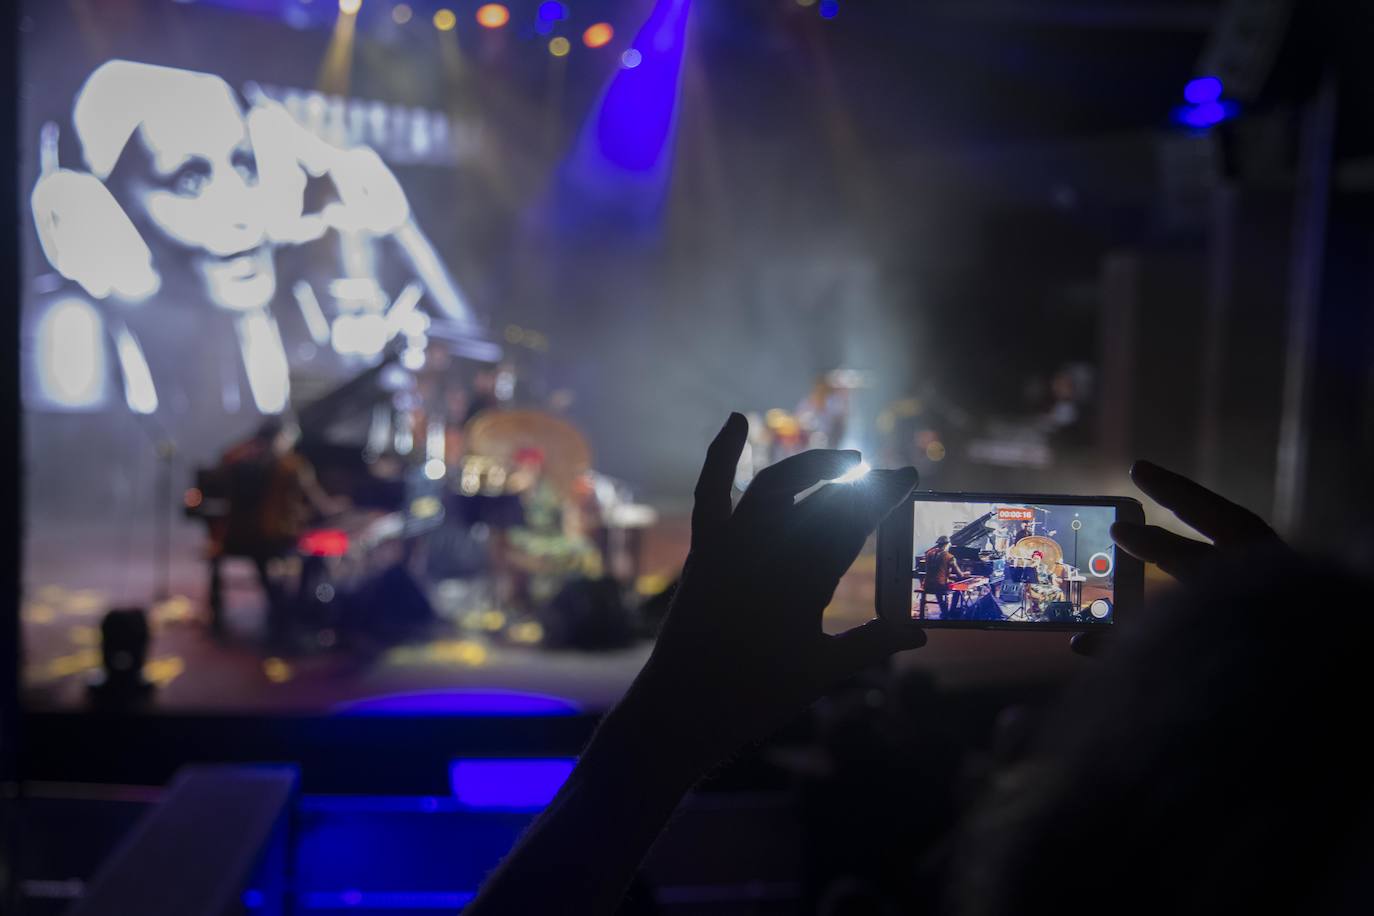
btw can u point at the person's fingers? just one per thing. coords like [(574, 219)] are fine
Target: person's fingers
[(1089, 643), (883, 491), (1220, 519), (792, 475), (830, 528), (867, 645), (711, 507), (1183, 558), (862, 503)]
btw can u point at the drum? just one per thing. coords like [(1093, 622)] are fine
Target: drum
[(1060, 612), (985, 608)]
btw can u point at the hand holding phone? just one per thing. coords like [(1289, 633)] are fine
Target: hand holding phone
[(742, 648), (1234, 529)]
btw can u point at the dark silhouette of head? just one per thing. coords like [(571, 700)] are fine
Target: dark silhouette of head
[(124, 643), (124, 639), (1212, 761)]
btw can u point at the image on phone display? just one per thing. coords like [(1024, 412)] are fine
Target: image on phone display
[(1012, 562)]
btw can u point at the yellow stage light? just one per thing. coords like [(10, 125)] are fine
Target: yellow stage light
[(276, 670), (492, 15), (599, 35), (444, 20), (560, 46), (350, 7)]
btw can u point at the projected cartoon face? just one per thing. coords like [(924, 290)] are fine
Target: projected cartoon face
[(197, 186)]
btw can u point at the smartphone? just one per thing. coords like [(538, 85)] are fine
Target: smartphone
[(999, 561)]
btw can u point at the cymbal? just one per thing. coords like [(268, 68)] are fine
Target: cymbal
[(1049, 549), (500, 435)]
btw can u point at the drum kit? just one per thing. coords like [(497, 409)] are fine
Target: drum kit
[(505, 446), (510, 453), (515, 519), (1035, 568)]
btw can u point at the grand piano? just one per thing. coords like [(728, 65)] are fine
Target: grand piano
[(347, 436), (973, 548), (334, 430)]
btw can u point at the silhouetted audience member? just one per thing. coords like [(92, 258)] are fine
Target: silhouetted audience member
[(1213, 762), (124, 640)]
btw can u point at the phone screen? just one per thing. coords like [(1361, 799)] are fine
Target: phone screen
[(1012, 562)]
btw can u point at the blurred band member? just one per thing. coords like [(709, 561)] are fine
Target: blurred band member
[(824, 413), (274, 494)]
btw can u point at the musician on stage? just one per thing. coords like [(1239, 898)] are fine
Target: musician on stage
[(940, 564), (824, 413), (273, 494)]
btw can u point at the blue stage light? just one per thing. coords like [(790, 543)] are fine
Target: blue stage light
[(552, 11), (634, 122), (461, 702), (1206, 115), (447, 901), (830, 9), (1202, 90), (523, 785)]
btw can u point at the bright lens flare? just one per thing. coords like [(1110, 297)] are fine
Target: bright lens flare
[(444, 20), (350, 7), (598, 35), (492, 15), (857, 472)]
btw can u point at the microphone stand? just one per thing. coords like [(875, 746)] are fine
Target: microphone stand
[(163, 499)]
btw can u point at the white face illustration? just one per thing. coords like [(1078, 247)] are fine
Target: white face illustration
[(201, 192)]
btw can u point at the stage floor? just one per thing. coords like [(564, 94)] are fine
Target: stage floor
[(73, 577)]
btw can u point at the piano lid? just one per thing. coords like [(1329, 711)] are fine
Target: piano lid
[(972, 531), (355, 395)]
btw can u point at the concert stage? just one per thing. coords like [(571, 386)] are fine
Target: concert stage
[(457, 667)]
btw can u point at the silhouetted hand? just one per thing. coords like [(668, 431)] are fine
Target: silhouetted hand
[(742, 649), (1235, 532), (740, 652)]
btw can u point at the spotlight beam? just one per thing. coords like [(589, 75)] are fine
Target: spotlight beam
[(621, 163), (337, 66)]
